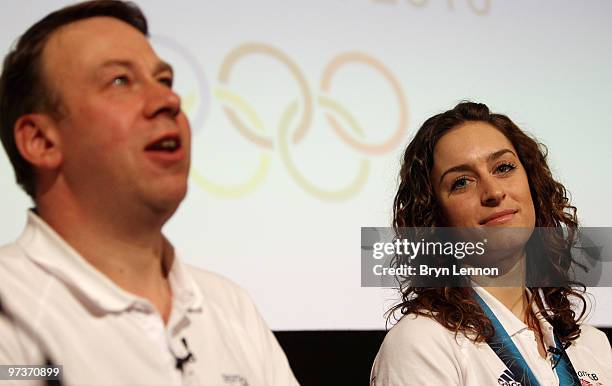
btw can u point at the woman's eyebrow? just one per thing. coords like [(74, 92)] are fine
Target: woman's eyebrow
[(496, 154), (463, 167)]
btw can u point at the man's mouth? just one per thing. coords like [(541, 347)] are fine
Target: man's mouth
[(170, 144)]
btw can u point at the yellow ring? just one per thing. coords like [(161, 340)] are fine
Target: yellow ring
[(324, 194), (263, 167)]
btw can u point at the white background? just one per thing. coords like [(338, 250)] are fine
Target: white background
[(546, 64)]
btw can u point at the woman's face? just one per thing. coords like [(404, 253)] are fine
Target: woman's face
[(478, 179)]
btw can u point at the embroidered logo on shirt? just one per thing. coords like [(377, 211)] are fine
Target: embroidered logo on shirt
[(507, 379), (234, 379), (592, 378)]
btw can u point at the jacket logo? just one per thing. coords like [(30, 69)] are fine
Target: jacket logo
[(234, 379), (507, 379), (588, 379)]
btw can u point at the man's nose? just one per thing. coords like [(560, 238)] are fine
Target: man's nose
[(492, 191), (161, 100)]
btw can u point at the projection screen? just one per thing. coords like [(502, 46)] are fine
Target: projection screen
[(300, 111)]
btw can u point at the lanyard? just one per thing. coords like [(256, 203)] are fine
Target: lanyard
[(506, 350)]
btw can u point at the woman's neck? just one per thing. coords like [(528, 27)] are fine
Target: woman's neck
[(514, 298)]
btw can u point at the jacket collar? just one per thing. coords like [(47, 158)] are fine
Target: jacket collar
[(47, 249), (511, 323)]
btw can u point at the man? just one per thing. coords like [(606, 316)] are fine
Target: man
[(98, 140)]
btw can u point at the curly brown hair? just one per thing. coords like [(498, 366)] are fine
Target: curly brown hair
[(416, 205)]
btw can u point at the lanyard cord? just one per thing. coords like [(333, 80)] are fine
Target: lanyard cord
[(564, 368), (503, 346)]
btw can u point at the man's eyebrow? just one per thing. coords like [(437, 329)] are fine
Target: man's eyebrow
[(161, 66), (116, 63), (463, 167)]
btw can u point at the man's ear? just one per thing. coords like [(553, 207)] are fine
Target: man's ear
[(38, 140)]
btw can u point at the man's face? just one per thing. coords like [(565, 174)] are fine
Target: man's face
[(125, 143)]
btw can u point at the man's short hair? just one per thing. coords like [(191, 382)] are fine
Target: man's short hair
[(23, 88)]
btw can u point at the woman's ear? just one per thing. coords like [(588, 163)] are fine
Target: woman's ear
[(38, 140)]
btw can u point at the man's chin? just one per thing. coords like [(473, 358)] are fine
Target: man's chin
[(165, 202)]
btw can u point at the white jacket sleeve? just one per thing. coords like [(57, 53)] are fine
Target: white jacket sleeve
[(16, 348), (276, 366), (417, 351)]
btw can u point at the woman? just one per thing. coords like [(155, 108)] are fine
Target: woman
[(470, 168)]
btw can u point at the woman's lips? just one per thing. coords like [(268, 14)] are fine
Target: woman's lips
[(499, 217)]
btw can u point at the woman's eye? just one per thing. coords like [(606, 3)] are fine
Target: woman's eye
[(459, 183), (505, 168)]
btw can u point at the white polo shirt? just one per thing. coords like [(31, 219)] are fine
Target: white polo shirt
[(420, 351), (57, 305)]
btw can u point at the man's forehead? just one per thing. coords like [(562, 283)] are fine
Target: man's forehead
[(96, 24), (96, 39)]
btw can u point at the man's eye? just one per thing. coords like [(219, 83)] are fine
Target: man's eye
[(459, 183), (121, 80), (166, 81)]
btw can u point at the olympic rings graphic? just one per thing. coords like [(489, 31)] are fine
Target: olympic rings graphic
[(250, 125), (386, 146), (255, 48)]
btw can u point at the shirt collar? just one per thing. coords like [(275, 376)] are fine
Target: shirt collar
[(510, 322), (46, 248), (185, 292)]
